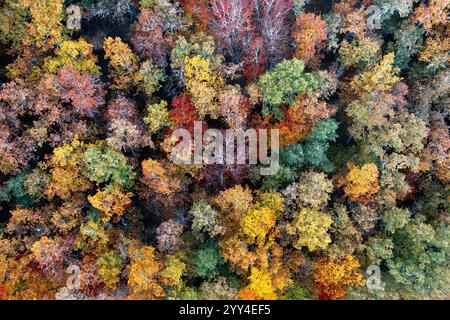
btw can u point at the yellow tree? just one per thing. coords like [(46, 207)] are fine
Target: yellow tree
[(203, 84), (362, 183), (78, 55), (45, 28), (112, 202), (66, 167), (145, 270), (233, 203), (122, 62), (310, 229), (257, 224), (332, 275), (260, 287), (381, 77)]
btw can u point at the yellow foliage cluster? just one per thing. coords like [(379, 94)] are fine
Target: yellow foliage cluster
[(233, 204), (45, 28), (331, 275), (381, 77), (77, 55), (122, 62), (436, 51), (92, 237), (203, 84), (173, 271), (144, 272), (257, 223), (66, 169), (362, 183), (112, 202), (310, 229), (260, 286), (272, 200), (157, 116)]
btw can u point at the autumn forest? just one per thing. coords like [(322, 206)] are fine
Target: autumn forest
[(93, 207)]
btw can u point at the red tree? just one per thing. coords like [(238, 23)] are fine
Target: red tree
[(255, 57)]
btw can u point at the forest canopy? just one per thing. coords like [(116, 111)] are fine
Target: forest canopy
[(93, 207)]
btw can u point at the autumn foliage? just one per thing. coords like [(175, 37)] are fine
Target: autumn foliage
[(94, 205)]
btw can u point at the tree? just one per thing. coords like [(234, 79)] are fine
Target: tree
[(49, 256), (109, 266), (124, 135), (66, 165), (234, 107), (332, 275), (145, 269), (149, 39), (310, 229), (313, 190), (112, 202), (304, 116), (121, 107), (14, 24), (125, 131), (310, 35), (93, 237), (173, 272), (207, 261), (238, 254), (15, 189), (157, 117), (396, 218), (360, 52), (230, 22), (438, 147), (381, 77), (122, 62), (205, 219), (203, 84), (255, 58), (149, 78), (257, 224), (35, 183), (69, 215), (285, 82), (183, 113), (419, 267), (272, 200), (318, 142), (431, 14), (197, 12), (77, 55), (45, 28), (218, 289), (233, 204), (159, 181), (362, 183), (273, 20), (260, 286), (168, 236), (106, 165), (199, 44), (85, 93)]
